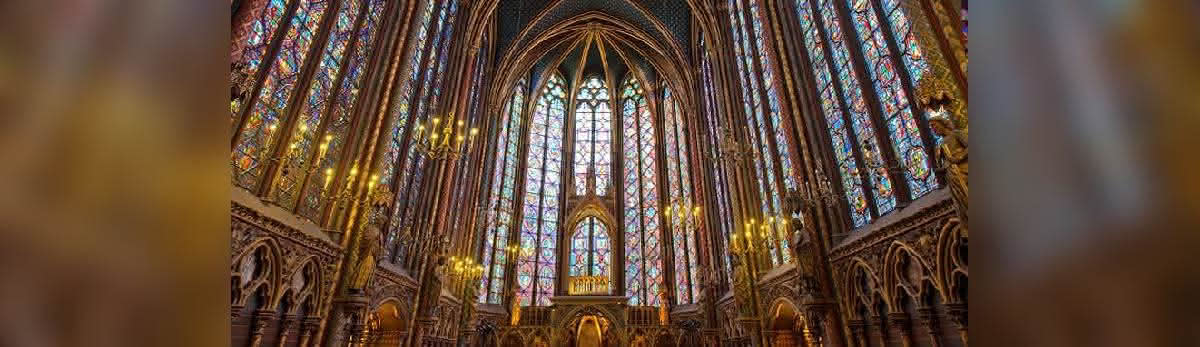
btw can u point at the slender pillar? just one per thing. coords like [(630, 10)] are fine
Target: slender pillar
[(858, 332), (307, 328), (285, 326), (930, 321), (261, 319), (423, 325), (958, 315), (899, 322), (881, 324)]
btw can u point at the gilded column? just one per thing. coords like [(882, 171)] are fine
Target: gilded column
[(307, 328), (262, 317), (285, 326)]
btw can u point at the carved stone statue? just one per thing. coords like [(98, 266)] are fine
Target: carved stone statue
[(516, 311), (368, 247), (741, 289), (952, 157)]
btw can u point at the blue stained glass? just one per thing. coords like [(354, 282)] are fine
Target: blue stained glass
[(644, 259), (541, 196), (254, 144), (501, 198), (902, 128)]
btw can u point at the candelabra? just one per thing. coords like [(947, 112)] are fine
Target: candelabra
[(464, 270), (240, 82), (823, 194), (749, 247), (514, 249), (445, 141), (682, 209), (732, 150)]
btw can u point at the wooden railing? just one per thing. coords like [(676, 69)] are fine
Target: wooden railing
[(588, 285)]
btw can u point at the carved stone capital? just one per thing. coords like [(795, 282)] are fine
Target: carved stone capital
[(899, 321), (958, 315), (236, 311), (928, 317), (261, 319), (814, 314), (857, 326), (309, 325)]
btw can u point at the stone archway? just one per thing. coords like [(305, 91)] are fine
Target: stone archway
[(387, 325), (785, 325)]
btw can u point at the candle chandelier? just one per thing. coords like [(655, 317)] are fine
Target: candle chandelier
[(444, 141)]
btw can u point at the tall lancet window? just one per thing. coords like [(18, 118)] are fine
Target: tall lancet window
[(593, 137), (643, 249), (500, 212), (535, 273), (682, 213), (897, 110), (590, 252), (845, 110), (763, 125), (262, 125)]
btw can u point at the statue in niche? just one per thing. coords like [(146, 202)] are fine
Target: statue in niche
[(952, 159), (368, 247)]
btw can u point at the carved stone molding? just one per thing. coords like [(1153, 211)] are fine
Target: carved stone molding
[(925, 218)]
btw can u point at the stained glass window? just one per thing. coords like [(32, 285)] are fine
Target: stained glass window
[(860, 123), (313, 107), (402, 163), (536, 272), (643, 250), (682, 213), (724, 210), (253, 147), (590, 252), (834, 113), (897, 110), (500, 212), (760, 131), (593, 136), (344, 99), (262, 32)]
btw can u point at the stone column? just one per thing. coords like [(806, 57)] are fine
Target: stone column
[(307, 328), (881, 324), (285, 326), (261, 319), (235, 311), (929, 320), (900, 323), (354, 331), (858, 328), (753, 330), (712, 337), (424, 326), (464, 337), (958, 315)]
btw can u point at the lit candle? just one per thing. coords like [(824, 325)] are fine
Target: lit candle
[(371, 184), (328, 178)]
